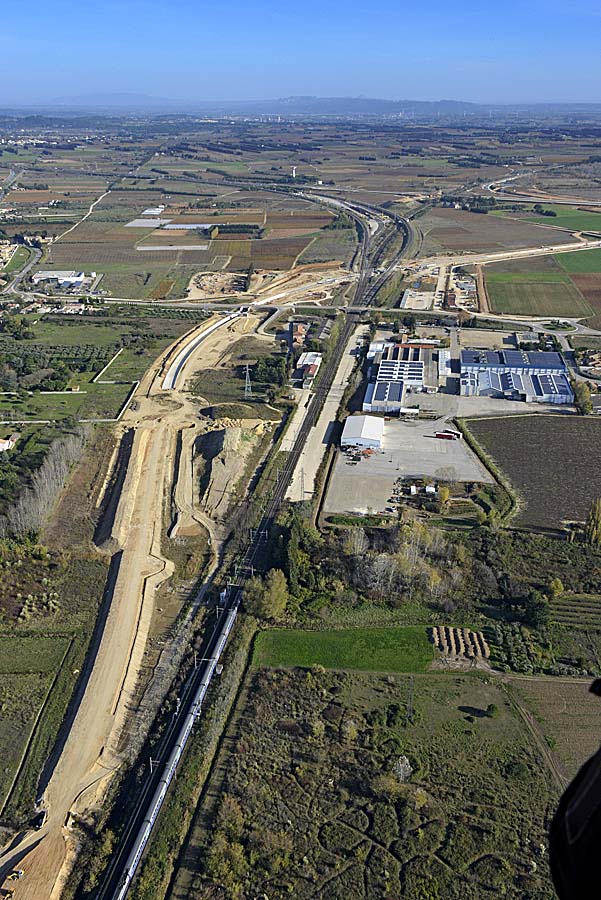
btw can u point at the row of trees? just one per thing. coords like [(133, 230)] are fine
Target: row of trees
[(33, 505)]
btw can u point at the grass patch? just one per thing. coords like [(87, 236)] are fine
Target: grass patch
[(100, 401), (404, 649), (22, 654)]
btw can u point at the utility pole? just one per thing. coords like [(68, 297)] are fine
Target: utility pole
[(409, 716)]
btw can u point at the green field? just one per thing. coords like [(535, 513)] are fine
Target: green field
[(570, 218), (580, 261), (102, 401), (52, 332), (536, 298), (371, 650), (18, 260), (517, 277)]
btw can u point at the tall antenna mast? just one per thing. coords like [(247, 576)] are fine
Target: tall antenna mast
[(248, 391)]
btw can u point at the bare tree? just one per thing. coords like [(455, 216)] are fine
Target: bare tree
[(356, 543)]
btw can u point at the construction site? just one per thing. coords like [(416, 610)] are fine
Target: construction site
[(173, 476)]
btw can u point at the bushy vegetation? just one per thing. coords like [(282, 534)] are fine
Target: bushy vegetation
[(333, 791)]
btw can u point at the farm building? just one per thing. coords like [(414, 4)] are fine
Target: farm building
[(363, 431), (535, 377)]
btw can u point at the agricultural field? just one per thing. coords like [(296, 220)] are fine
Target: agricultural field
[(577, 610), (459, 231), (154, 263), (49, 599), (568, 715), (337, 788), (568, 217), (404, 649), (542, 456), (566, 284), (74, 351), (554, 298)]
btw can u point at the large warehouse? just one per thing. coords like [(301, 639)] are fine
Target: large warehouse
[(363, 431), (535, 377)]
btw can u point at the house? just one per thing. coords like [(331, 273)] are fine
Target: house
[(307, 367), (8, 443)]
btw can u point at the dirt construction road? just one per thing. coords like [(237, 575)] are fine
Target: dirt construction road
[(91, 751)]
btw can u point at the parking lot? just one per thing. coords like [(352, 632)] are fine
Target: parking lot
[(409, 450)]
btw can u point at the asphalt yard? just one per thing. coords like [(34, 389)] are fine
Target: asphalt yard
[(409, 450)]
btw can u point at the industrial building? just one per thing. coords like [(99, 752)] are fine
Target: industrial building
[(397, 369), (63, 279), (363, 431), (307, 368), (534, 377)]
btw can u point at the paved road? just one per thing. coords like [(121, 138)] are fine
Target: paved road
[(13, 287), (526, 253), (303, 481)]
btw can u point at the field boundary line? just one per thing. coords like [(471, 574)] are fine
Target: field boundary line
[(96, 378), (492, 467)]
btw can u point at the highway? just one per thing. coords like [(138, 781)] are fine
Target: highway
[(130, 848), (10, 179)]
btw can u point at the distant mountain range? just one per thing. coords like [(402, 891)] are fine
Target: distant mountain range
[(287, 106), (120, 104)]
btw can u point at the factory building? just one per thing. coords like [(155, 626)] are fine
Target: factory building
[(62, 279), (363, 431), (396, 370), (534, 377)]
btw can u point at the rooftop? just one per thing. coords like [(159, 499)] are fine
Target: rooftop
[(513, 359), (363, 427)]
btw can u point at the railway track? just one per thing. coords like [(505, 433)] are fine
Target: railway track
[(126, 857)]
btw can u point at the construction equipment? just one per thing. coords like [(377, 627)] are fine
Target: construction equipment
[(16, 875)]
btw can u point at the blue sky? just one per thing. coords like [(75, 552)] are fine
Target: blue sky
[(537, 50)]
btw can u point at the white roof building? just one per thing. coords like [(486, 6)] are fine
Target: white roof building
[(62, 277), (362, 431)]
